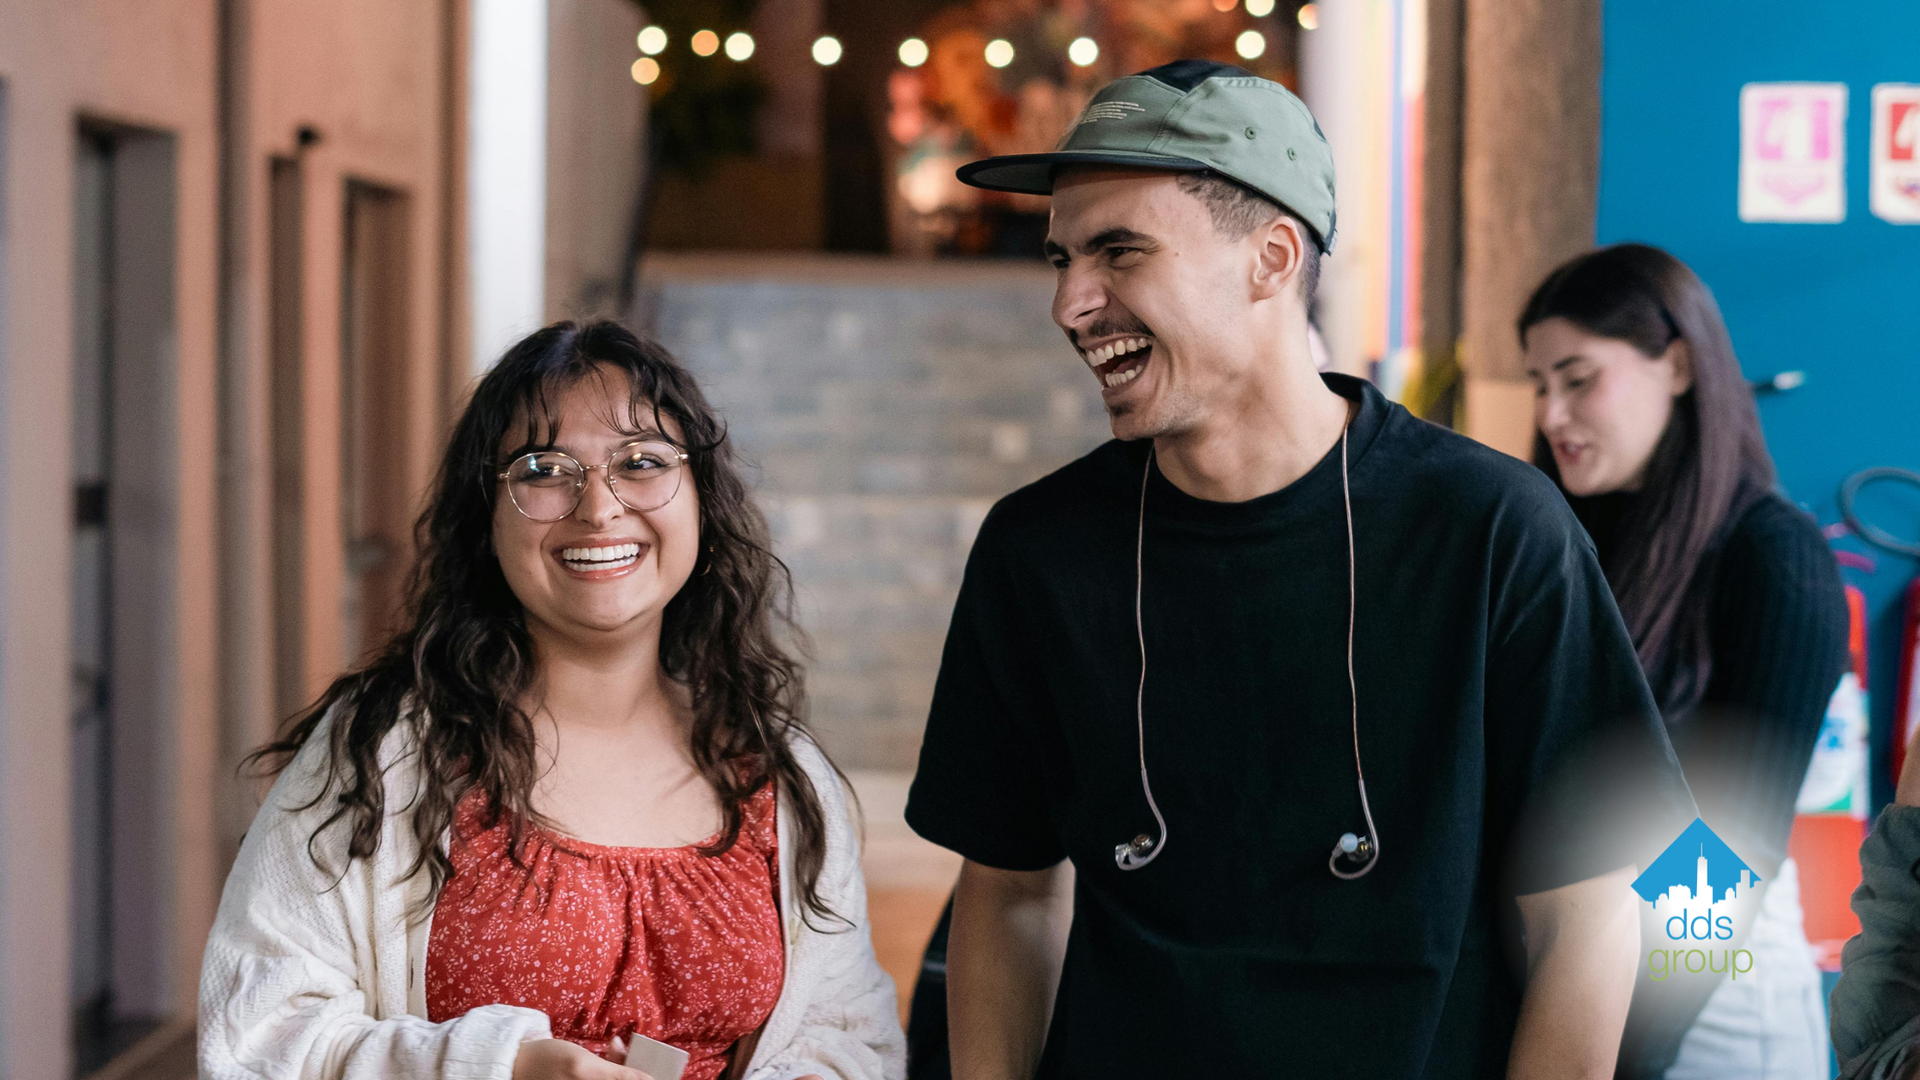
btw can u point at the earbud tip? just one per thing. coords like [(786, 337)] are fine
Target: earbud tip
[(1349, 843)]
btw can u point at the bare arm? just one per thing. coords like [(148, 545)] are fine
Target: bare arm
[(1008, 941), (1583, 950)]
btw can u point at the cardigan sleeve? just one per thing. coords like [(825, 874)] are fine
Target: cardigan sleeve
[(287, 987), (850, 1024)]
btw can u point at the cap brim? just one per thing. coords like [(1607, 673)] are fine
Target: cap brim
[(1032, 174)]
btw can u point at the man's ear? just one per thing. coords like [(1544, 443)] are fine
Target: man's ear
[(1280, 253)]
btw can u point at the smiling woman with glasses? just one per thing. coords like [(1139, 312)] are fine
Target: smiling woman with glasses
[(570, 823)]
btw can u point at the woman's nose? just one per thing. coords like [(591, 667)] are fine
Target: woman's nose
[(1550, 412), (598, 503)]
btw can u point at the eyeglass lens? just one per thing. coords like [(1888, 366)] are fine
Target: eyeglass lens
[(547, 486)]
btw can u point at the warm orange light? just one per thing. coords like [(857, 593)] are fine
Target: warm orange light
[(1310, 17), (645, 70), (1224, 6), (705, 43)]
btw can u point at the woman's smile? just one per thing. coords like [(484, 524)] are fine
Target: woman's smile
[(601, 560)]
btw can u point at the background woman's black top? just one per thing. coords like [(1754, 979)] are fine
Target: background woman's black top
[(1777, 623)]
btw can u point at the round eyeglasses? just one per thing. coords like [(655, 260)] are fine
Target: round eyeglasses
[(548, 486)]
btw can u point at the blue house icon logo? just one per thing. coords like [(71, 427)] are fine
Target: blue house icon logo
[(1698, 866), (1696, 887)]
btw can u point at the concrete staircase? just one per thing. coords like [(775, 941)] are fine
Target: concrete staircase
[(886, 405)]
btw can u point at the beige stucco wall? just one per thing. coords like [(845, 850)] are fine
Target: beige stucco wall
[(148, 64), (368, 75), (371, 76)]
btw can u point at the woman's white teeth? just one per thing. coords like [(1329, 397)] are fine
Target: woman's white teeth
[(1121, 378), (601, 557)]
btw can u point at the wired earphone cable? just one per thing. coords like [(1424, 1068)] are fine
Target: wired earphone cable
[(1142, 849)]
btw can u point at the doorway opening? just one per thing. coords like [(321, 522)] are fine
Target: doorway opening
[(286, 391), (124, 485), (376, 498)]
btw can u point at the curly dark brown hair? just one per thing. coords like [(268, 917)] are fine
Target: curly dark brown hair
[(465, 660)]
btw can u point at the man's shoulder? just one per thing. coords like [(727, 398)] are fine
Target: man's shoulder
[(1447, 473), (1061, 498)]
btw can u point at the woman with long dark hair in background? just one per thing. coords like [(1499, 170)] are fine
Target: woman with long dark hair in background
[(1733, 601), (571, 812)]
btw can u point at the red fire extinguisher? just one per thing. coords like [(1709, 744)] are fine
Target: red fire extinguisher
[(1831, 818)]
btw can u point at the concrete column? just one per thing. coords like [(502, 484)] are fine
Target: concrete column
[(1531, 164), (1337, 81), (507, 174), (1440, 203)]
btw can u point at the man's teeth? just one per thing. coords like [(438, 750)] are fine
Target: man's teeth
[(1101, 355), (601, 558), (1121, 378)]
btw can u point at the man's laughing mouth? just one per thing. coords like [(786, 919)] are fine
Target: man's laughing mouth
[(1119, 361)]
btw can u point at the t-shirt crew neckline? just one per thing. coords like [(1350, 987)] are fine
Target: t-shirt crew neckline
[(1166, 500)]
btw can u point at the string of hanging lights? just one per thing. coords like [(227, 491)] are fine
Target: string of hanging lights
[(914, 52)]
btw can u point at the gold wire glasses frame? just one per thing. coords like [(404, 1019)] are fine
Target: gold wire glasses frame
[(548, 485)]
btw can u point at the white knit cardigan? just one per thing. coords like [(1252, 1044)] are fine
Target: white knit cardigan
[(317, 975)]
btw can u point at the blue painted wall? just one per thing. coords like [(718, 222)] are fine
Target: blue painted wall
[(1841, 302)]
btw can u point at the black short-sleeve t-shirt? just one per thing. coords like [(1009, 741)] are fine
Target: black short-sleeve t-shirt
[(1507, 734)]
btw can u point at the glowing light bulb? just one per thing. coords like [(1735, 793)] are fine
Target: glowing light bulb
[(913, 52), (653, 40), (739, 46), (1259, 9), (705, 42), (826, 50), (646, 70), (1309, 17), (999, 52), (1083, 51), (1250, 45)]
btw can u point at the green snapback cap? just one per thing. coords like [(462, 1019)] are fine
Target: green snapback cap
[(1190, 116)]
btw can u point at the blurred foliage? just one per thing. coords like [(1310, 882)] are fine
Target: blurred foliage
[(704, 107)]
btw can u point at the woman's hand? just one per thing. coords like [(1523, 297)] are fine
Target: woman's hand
[(557, 1059)]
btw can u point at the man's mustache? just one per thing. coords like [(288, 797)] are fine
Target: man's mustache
[(1109, 328)]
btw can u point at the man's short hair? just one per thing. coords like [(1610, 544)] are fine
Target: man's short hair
[(1238, 210)]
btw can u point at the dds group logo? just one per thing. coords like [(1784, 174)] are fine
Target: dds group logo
[(1700, 891)]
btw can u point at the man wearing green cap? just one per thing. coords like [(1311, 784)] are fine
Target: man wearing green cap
[(1330, 710)]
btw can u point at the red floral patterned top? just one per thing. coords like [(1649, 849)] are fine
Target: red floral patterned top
[(680, 947)]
